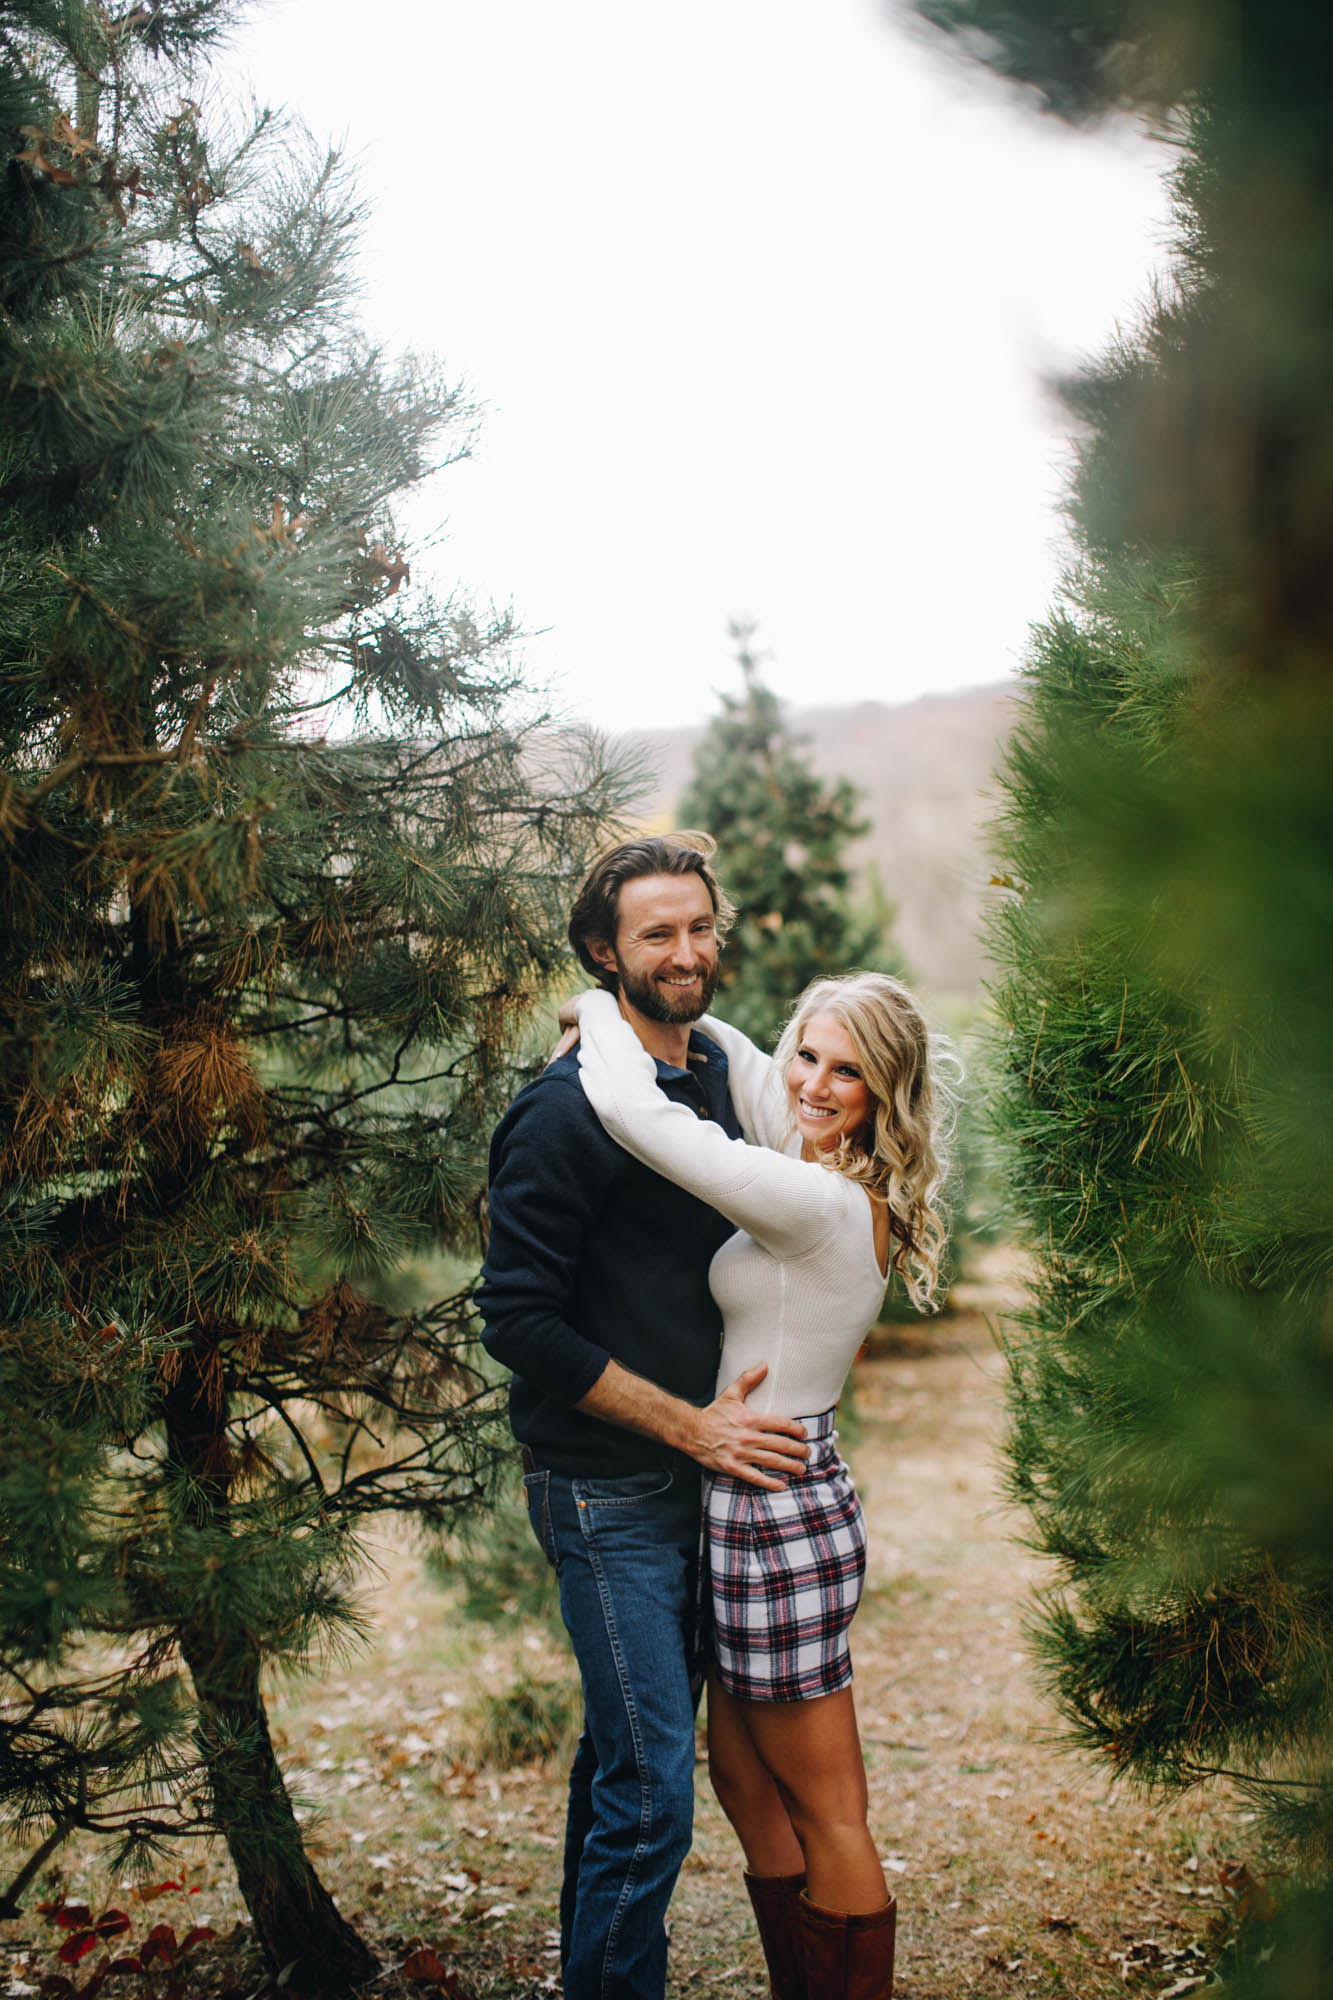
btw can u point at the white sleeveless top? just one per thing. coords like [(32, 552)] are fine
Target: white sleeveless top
[(799, 1283)]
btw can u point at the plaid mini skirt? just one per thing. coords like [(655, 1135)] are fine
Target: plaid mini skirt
[(785, 1572)]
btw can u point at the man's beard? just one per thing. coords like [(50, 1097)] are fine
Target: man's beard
[(655, 1002)]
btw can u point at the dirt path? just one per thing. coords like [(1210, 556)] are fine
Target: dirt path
[(1017, 1871)]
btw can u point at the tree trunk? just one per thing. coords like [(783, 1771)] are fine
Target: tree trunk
[(295, 1917)]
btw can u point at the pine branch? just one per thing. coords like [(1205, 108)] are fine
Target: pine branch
[(11, 1909), (1251, 1780)]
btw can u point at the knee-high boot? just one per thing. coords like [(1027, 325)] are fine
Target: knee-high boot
[(848, 1957), (777, 1911)]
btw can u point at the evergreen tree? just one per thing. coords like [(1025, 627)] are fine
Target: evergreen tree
[(279, 887), (783, 834), (1165, 976)]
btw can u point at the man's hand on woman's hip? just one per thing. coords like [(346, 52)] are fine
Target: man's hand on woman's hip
[(726, 1436), (753, 1445)]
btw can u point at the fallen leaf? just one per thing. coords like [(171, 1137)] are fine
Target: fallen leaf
[(1250, 1895), (159, 1943), (424, 1965), (69, 1916), (152, 1890), (76, 1947)]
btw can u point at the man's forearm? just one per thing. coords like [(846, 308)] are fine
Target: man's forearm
[(619, 1396), (725, 1436)]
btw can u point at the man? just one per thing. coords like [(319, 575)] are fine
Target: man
[(596, 1294)]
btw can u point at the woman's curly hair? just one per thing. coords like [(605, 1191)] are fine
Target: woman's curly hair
[(913, 1078)]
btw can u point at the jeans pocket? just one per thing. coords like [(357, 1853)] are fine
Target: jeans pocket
[(537, 1493), (627, 1492)]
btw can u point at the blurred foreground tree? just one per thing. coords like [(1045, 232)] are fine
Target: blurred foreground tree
[(279, 885), (1165, 972), (783, 834)]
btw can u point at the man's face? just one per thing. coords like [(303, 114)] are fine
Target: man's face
[(665, 952)]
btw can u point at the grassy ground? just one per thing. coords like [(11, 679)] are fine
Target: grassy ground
[(1017, 1871)]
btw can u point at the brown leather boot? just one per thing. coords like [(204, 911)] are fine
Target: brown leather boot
[(777, 1911), (848, 1957)]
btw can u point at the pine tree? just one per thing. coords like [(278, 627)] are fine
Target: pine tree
[(1165, 978), (783, 834), (279, 886)]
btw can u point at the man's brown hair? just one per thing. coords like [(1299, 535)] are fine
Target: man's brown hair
[(596, 910)]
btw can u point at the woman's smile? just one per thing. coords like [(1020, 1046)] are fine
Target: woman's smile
[(828, 1093)]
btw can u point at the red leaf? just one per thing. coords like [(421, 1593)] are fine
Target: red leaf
[(76, 1947), (152, 1890), (125, 1965), (1241, 1887), (159, 1943), (197, 1936), (69, 1916), (111, 1923), (424, 1965)]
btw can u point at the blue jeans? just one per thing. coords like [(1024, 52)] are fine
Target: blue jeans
[(626, 1554)]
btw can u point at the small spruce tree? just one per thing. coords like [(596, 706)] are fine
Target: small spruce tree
[(279, 885), (1165, 980), (783, 834)]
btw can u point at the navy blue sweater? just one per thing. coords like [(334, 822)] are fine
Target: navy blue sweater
[(593, 1256)]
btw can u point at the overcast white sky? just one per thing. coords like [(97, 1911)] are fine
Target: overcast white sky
[(757, 296)]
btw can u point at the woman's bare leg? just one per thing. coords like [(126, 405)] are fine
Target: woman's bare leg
[(746, 1790), (811, 1751)]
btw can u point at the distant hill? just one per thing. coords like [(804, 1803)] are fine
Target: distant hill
[(925, 770)]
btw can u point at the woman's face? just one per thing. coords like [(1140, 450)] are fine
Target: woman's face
[(828, 1094)]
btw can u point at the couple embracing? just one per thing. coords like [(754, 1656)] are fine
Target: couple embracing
[(680, 1308)]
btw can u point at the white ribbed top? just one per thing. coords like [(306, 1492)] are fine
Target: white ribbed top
[(799, 1283)]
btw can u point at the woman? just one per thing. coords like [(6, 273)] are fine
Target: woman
[(820, 1225)]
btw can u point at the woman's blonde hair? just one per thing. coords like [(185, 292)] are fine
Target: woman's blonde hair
[(902, 1065)]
